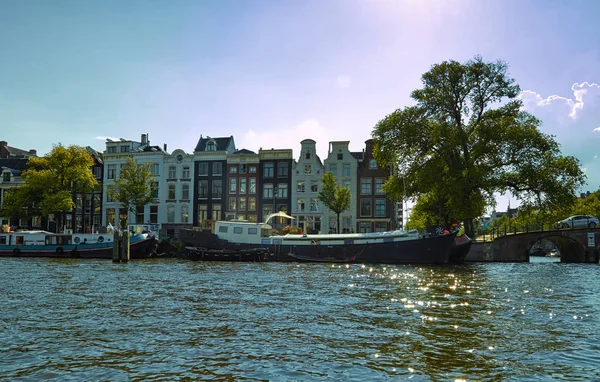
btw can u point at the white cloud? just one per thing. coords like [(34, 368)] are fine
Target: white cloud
[(563, 105), (343, 81), (597, 129)]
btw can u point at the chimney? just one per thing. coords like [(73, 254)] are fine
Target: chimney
[(165, 147), (33, 152), (3, 143), (144, 139)]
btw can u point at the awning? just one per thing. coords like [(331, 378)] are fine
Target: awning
[(280, 214)]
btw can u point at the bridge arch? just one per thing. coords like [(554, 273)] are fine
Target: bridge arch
[(572, 244)]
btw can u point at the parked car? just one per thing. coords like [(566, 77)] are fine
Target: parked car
[(578, 221)]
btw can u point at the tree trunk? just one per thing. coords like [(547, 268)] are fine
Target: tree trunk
[(338, 223), (469, 227)]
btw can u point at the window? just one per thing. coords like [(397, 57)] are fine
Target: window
[(282, 169), (282, 191), (217, 189), (307, 168), (97, 171), (365, 186), (380, 207), (346, 169), (112, 169), (340, 156), (243, 168), (268, 170), (124, 149), (185, 191), (154, 189), (170, 214), (202, 168), (380, 226), (112, 149), (379, 185), (233, 169), (154, 214), (268, 191), (307, 155), (110, 215), (242, 204), (300, 186), (171, 192), (210, 146), (223, 229), (6, 176), (252, 186), (314, 187), (139, 215), (267, 210), (300, 203), (203, 189), (333, 169), (109, 198), (232, 204), (252, 231), (217, 168), (364, 227), (251, 204), (372, 164), (185, 174), (172, 172), (216, 212), (233, 185), (237, 230), (179, 158), (155, 169), (202, 212), (314, 205), (185, 216), (242, 185), (365, 207), (252, 170)]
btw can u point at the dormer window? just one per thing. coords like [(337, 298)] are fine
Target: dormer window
[(210, 146), (112, 149), (372, 164), (6, 176), (179, 158), (307, 155)]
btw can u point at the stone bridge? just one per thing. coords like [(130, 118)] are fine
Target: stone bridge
[(575, 245)]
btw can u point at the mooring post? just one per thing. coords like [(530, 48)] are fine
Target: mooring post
[(125, 253), (121, 252)]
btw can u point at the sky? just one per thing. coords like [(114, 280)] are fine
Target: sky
[(272, 73)]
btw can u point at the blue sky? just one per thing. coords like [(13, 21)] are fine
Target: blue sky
[(272, 73)]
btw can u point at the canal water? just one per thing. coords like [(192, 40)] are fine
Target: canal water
[(164, 320)]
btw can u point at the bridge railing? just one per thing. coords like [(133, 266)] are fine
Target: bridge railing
[(510, 228)]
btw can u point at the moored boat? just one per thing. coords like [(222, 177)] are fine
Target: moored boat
[(393, 247), (41, 243), (460, 249)]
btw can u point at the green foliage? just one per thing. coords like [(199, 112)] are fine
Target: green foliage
[(333, 196), (467, 138), (132, 187), (52, 182)]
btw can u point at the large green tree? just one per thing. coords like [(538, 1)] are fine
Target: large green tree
[(52, 182), (132, 188), (333, 196), (468, 137)]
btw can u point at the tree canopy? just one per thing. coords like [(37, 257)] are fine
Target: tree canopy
[(468, 137), (51, 183), (132, 187), (333, 196)]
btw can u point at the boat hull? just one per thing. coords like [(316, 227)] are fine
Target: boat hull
[(139, 249), (460, 249), (428, 250), (204, 254)]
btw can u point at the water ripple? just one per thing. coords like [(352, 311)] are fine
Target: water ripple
[(162, 320)]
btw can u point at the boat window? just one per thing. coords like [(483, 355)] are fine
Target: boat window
[(252, 231), (19, 240), (237, 229), (223, 229), (2, 239)]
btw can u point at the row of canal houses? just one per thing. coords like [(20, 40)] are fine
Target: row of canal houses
[(219, 182)]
